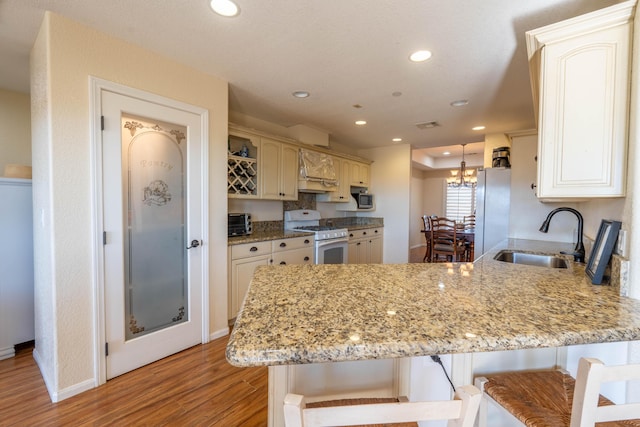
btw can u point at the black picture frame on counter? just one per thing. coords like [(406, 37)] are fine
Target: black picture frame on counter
[(602, 250)]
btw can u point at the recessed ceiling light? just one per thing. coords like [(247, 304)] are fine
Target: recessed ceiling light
[(459, 103), (478, 128), (224, 7), (361, 122), (301, 94), (446, 153), (419, 56), (397, 140)]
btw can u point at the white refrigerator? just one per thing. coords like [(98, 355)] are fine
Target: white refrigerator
[(492, 208)]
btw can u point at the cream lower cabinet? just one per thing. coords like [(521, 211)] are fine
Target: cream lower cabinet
[(243, 261), (365, 246), (244, 258), (580, 72), (299, 250), (278, 165)]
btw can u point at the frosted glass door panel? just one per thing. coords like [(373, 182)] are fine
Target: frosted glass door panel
[(154, 217)]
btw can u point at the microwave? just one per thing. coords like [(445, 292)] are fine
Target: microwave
[(363, 200), (239, 224)]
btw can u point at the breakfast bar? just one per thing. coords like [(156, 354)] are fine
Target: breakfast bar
[(312, 314)]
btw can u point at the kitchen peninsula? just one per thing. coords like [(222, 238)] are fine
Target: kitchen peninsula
[(332, 313)]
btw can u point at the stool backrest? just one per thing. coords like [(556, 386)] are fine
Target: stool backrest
[(591, 374), (461, 412)]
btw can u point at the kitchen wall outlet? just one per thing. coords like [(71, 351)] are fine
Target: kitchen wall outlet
[(622, 245)]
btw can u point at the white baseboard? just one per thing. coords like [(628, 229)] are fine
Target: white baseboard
[(6, 353), (55, 395), (219, 333)]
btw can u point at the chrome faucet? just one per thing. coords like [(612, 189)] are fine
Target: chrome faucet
[(578, 251)]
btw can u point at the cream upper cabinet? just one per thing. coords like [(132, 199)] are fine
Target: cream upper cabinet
[(580, 72), (278, 165), (343, 194), (359, 174)]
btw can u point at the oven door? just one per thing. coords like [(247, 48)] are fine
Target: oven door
[(334, 251)]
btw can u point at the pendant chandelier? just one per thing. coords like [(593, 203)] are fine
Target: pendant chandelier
[(462, 177)]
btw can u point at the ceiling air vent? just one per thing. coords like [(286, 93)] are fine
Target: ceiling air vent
[(427, 125)]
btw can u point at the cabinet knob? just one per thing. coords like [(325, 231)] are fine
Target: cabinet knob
[(306, 241), (253, 249), (283, 244), (364, 233), (350, 234), (376, 231), (306, 258), (283, 263), (533, 186)]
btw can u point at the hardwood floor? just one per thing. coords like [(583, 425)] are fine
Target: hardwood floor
[(196, 387), (416, 254)]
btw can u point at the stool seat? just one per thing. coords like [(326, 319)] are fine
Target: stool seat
[(540, 398), (362, 401)]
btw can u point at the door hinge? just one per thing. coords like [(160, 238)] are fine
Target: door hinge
[(106, 349), (101, 122), (104, 237)]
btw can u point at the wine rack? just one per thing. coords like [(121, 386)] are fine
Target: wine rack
[(242, 176)]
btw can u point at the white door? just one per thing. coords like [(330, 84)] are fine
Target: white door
[(152, 200)]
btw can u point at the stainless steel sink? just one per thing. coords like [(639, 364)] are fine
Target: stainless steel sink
[(549, 261)]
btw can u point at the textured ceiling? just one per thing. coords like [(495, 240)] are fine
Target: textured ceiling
[(344, 52)]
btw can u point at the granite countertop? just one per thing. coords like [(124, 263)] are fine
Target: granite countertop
[(322, 313), (278, 232)]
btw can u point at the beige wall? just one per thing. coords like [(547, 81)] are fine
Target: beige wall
[(65, 54), (15, 122), (391, 181)]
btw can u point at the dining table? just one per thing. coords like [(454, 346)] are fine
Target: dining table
[(468, 234)]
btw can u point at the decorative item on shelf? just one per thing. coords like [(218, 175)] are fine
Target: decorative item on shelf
[(462, 177), (244, 151)]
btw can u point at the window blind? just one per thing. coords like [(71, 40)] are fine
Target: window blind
[(460, 202)]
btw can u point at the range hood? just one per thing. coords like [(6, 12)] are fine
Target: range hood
[(317, 173)]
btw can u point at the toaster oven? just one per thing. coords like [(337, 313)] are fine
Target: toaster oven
[(239, 224)]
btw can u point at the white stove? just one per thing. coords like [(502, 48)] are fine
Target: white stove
[(331, 243), (309, 220)]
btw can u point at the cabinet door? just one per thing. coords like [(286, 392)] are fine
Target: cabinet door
[(289, 172), (270, 153), (359, 174), (241, 274), (375, 250), (583, 115), (353, 255)]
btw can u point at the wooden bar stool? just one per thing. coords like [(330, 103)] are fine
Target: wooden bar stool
[(554, 398), (461, 411)]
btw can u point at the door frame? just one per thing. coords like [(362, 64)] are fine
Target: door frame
[(96, 87)]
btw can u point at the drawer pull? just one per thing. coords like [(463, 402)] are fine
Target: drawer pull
[(350, 234), (283, 263), (283, 244), (306, 241), (253, 249), (364, 233), (306, 258), (376, 231)]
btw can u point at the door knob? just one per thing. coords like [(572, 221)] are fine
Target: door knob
[(194, 244)]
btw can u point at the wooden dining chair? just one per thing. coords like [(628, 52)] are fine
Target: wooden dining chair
[(426, 230), (554, 398), (444, 240), (461, 411)]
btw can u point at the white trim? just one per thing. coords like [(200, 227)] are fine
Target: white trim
[(96, 87), (219, 333), (7, 352)]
